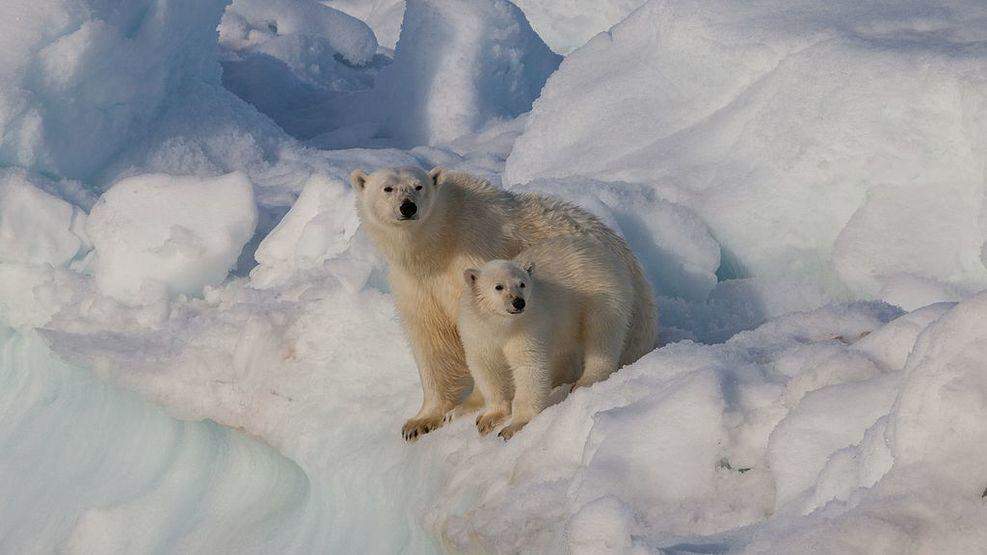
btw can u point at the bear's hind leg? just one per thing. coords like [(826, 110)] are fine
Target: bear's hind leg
[(604, 334)]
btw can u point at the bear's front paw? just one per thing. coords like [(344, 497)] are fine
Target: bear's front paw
[(419, 426), (486, 422), (511, 429)]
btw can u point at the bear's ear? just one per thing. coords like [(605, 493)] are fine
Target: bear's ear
[(530, 268), (358, 179), (436, 174), (470, 275)]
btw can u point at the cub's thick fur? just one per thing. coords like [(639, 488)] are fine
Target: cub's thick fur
[(431, 227), (560, 312)]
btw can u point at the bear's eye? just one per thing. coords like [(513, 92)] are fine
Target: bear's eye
[(499, 287), (388, 189), (521, 285), (418, 188)]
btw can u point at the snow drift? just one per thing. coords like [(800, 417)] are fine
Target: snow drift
[(835, 139)]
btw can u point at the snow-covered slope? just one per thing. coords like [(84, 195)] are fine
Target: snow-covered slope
[(838, 139), (199, 351)]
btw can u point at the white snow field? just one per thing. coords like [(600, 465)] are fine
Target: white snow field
[(199, 352)]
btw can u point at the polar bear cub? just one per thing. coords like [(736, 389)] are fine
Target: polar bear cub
[(530, 324)]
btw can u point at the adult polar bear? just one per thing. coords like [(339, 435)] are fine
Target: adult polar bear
[(432, 226)]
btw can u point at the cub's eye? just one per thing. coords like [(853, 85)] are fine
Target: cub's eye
[(388, 189), (418, 187), (521, 285), (499, 288)]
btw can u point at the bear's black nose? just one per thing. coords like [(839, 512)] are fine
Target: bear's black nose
[(408, 209), (518, 304)]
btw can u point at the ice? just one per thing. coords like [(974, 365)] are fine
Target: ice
[(829, 139), (156, 236), (459, 64)]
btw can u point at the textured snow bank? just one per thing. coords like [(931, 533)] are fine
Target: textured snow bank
[(157, 235), (458, 64), (931, 497), (836, 139)]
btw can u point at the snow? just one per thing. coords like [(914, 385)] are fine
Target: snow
[(457, 65), (199, 351), (833, 139), (155, 236), (77, 85), (36, 227), (284, 57), (383, 16), (565, 25)]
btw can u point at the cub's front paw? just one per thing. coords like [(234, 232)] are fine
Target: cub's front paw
[(488, 420), (419, 426), (511, 429)]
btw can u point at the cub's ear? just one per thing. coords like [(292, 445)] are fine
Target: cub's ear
[(358, 179), (530, 268), (470, 275), (436, 174)]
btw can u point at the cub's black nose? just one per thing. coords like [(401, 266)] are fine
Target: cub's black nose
[(518, 304), (408, 209)]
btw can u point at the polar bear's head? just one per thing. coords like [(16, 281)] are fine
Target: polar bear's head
[(399, 197), (501, 287)]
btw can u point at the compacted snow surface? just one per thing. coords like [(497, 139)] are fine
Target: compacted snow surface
[(199, 351)]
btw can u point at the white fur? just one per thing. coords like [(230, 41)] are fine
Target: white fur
[(578, 304), (463, 222)]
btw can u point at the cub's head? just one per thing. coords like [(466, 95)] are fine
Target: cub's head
[(501, 287), (400, 197)]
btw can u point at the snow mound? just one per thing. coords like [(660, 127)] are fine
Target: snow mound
[(157, 235), (838, 140), (458, 64), (318, 227)]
